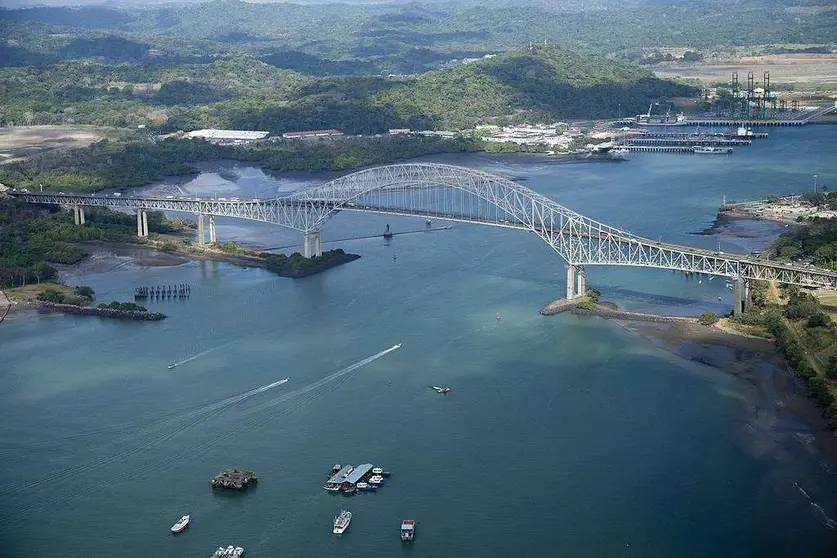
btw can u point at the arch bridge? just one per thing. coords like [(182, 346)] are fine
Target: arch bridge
[(437, 191)]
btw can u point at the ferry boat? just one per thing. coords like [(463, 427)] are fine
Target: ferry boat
[(711, 150), (408, 529), (341, 522), (181, 524)]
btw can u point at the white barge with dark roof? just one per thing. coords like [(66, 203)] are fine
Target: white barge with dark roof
[(350, 479)]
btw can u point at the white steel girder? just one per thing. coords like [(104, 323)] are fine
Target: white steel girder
[(454, 193)]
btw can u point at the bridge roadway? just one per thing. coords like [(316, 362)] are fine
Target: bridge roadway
[(446, 192)]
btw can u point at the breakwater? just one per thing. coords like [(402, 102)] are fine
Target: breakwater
[(103, 312), (622, 315), (606, 310)]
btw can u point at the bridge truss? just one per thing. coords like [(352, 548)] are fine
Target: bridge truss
[(460, 194)]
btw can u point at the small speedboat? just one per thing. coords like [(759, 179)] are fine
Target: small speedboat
[(170, 366), (335, 469), (408, 529), (440, 389), (341, 522), (376, 479), (181, 524), (238, 551), (377, 470)]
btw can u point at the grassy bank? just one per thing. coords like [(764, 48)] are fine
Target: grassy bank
[(804, 330)]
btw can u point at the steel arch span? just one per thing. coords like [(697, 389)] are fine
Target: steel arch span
[(461, 194)]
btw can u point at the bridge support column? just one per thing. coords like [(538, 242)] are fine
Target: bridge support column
[(212, 238), (81, 215), (142, 223), (582, 283), (571, 282), (201, 236), (741, 292), (76, 219), (311, 244)]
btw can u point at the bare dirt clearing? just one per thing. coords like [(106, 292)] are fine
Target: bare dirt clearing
[(783, 68), (24, 141)]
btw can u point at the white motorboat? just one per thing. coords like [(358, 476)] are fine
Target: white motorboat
[(376, 479), (341, 522), (440, 389), (398, 346), (170, 366), (408, 529), (238, 551), (377, 470), (181, 524), (711, 150)]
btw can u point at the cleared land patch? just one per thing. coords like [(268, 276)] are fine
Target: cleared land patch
[(24, 141), (784, 69)]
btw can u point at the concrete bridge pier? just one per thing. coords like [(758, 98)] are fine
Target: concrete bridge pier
[(571, 282), (582, 283), (741, 297), (312, 244), (142, 223), (212, 238), (201, 236), (78, 214)]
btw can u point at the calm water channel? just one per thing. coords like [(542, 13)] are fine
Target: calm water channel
[(561, 436)]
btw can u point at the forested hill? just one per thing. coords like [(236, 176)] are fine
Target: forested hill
[(540, 84), (409, 37)]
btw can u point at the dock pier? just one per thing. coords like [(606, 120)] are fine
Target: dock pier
[(180, 290)]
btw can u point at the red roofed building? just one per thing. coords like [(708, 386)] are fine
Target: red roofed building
[(313, 134)]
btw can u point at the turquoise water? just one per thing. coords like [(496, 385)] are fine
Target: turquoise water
[(561, 436)]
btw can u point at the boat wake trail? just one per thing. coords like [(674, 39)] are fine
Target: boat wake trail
[(821, 515), (323, 381), (200, 354)]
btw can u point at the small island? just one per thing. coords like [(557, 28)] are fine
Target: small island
[(298, 265)]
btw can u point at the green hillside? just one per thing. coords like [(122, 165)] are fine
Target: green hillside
[(546, 83), (541, 83)]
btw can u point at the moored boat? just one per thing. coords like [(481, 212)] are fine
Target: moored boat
[(711, 150), (181, 524), (376, 479), (341, 522), (408, 529)]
